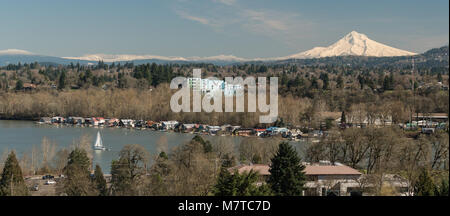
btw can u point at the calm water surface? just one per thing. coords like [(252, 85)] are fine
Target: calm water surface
[(21, 136)]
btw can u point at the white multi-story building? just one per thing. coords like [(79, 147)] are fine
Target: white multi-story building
[(195, 83), (211, 86)]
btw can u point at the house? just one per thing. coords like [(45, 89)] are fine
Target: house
[(243, 131), (433, 117), (169, 125), (276, 130), (187, 127), (95, 122), (272, 130), (231, 129), (112, 122), (150, 124), (140, 123), (58, 120), (75, 120), (101, 120), (355, 120), (45, 120), (226, 127), (259, 131), (199, 127), (29, 86), (213, 129), (323, 178), (126, 123), (88, 121)]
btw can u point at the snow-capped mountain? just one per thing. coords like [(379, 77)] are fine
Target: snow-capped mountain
[(14, 56), (15, 52), (353, 44), (119, 58)]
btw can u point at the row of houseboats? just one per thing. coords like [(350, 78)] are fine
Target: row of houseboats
[(292, 134)]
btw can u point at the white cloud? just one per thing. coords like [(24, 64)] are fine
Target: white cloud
[(266, 20), (285, 26), (226, 2), (201, 20)]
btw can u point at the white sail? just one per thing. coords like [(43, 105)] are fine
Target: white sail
[(98, 143)]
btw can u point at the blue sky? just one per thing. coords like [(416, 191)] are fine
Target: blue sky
[(244, 28)]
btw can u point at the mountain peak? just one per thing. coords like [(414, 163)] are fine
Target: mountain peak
[(353, 44), (354, 37), (355, 33)]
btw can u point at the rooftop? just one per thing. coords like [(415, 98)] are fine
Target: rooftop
[(314, 169), (330, 170)]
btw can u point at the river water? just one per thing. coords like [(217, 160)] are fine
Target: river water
[(21, 136)]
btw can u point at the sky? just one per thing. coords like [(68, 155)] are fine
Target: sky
[(244, 28)]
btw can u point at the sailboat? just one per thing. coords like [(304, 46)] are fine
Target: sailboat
[(99, 143)]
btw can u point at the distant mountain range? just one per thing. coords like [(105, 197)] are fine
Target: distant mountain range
[(353, 44)]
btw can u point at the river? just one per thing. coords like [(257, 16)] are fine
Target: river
[(21, 136)]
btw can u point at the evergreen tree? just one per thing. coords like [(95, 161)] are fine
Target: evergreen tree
[(439, 77), (19, 85), (207, 146), (226, 185), (122, 81), (343, 119), (236, 184), (287, 177), (361, 81), (284, 79), (339, 82), (62, 81), (100, 181), (11, 182), (386, 84), (314, 83), (325, 79), (77, 181), (391, 81), (163, 155)]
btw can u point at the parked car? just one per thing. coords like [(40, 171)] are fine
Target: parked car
[(48, 177), (35, 187), (50, 182)]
